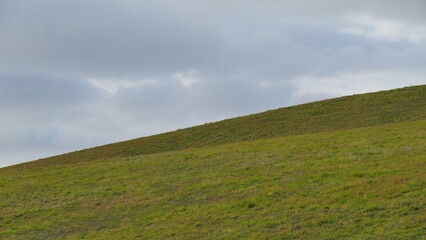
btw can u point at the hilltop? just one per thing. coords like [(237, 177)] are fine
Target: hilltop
[(404, 104), (344, 168)]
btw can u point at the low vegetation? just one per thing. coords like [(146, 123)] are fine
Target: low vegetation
[(367, 183)]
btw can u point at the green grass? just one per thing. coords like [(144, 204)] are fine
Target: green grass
[(405, 104), (345, 168), (366, 183)]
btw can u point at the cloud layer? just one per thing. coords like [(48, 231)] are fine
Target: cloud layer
[(75, 74)]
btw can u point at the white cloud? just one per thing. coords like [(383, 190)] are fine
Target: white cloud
[(265, 84), (112, 85), (346, 83), (384, 29), (187, 79)]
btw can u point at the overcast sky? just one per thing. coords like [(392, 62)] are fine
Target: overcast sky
[(81, 73)]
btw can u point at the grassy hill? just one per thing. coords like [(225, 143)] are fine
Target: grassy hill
[(329, 115), (348, 168)]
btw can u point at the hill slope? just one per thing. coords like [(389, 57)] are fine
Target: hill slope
[(366, 183), (371, 109), (345, 168)]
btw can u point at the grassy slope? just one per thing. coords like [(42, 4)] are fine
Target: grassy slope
[(335, 114), (366, 183)]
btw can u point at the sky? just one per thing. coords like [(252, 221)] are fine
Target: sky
[(81, 73)]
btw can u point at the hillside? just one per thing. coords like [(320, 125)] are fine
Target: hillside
[(405, 104), (366, 183), (344, 168)]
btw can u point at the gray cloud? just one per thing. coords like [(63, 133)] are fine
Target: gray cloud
[(144, 39), (34, 93), (75, 74)]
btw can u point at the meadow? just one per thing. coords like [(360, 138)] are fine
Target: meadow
[(366, 183)]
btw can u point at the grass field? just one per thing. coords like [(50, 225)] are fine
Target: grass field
[(367, 183), (326, 181)]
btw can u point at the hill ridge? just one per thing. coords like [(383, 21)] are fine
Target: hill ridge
[(360, 110)]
